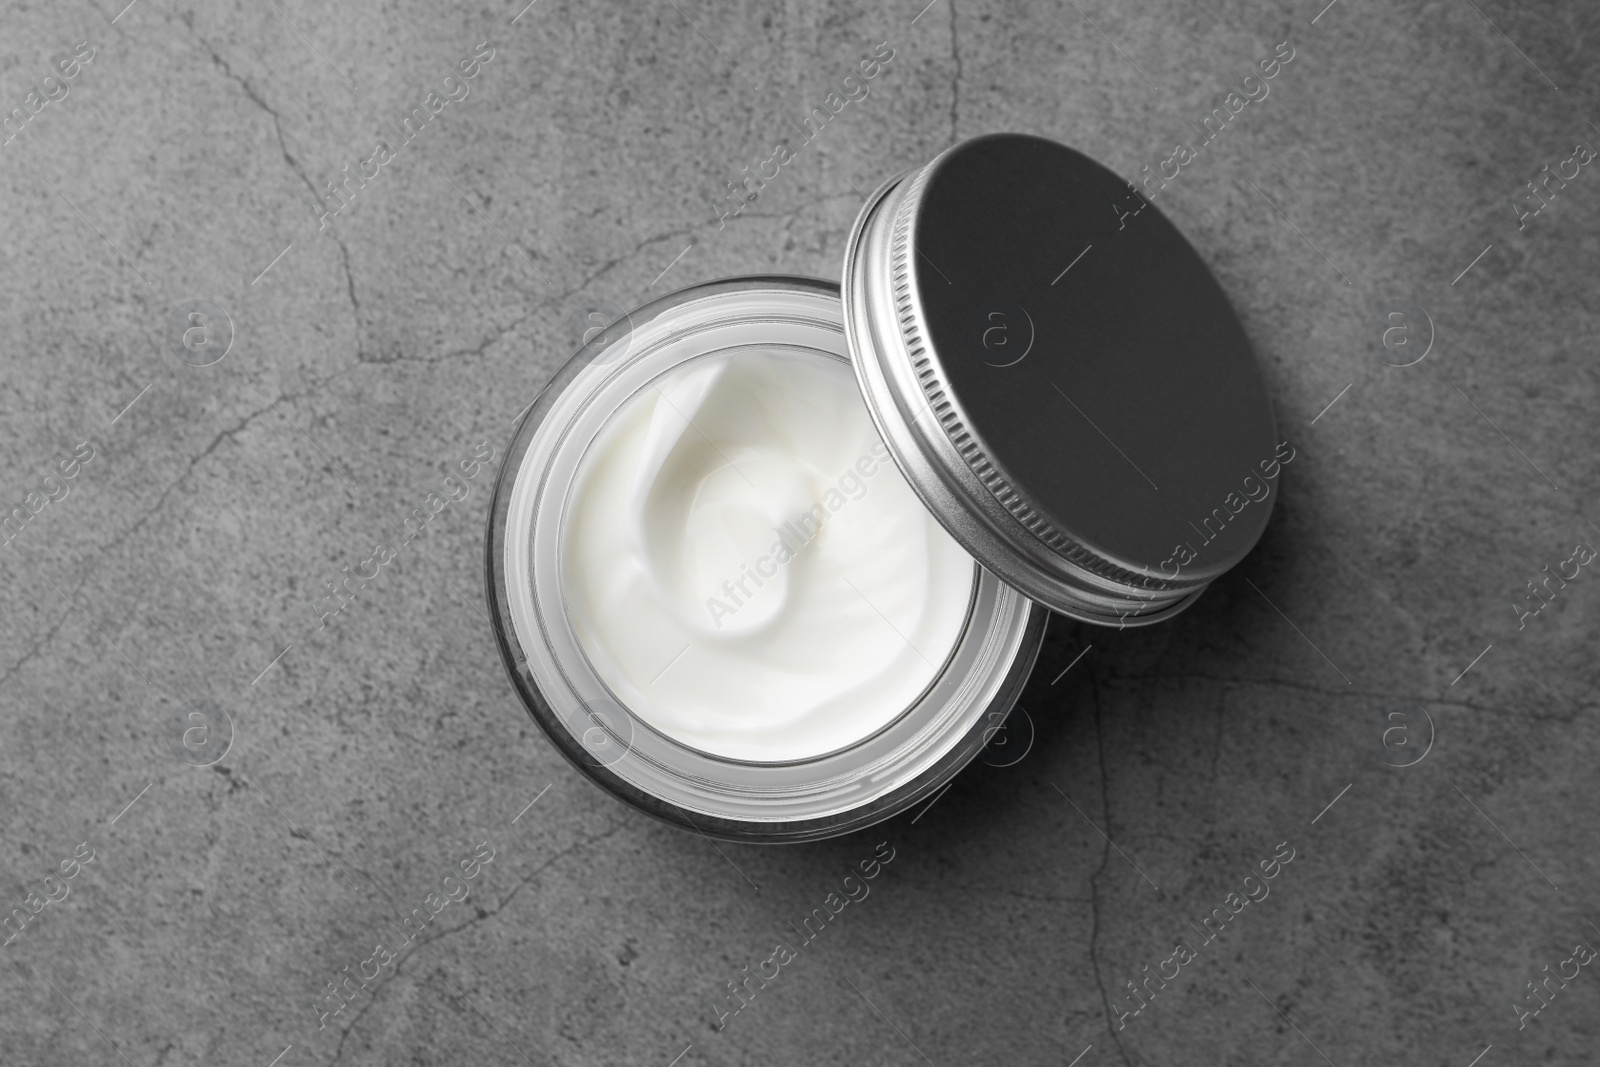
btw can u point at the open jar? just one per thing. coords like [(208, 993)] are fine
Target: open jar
[(771, 559)]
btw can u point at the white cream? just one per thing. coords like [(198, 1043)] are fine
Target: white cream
[(747, 570)]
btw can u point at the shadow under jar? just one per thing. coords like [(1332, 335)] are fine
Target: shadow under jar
[(771, 558)]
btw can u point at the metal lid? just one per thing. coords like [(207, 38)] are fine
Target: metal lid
[(1060, 378)]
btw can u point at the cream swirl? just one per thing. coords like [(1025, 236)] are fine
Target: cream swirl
[(747, 570)]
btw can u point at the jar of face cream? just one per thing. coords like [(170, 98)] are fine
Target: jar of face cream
[(771, 558)]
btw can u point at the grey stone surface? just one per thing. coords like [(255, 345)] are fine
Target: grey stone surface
[(384, 747)]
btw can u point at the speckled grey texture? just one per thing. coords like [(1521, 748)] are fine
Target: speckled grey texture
[(381, 749)]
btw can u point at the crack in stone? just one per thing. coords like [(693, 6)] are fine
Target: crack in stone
[(482, 347), (1041, 898), (1304, 687), (483, 916), (294, 165), (114, 542), (38, 645), (477, 350), (230, 434), (1094, 879), (161, 499)]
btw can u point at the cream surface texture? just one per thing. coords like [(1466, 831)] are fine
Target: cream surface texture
[(746, 568)]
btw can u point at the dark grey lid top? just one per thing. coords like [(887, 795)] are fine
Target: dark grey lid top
[(1060, 378)]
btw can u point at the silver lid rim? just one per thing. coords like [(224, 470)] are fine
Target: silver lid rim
[(881, 308)]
